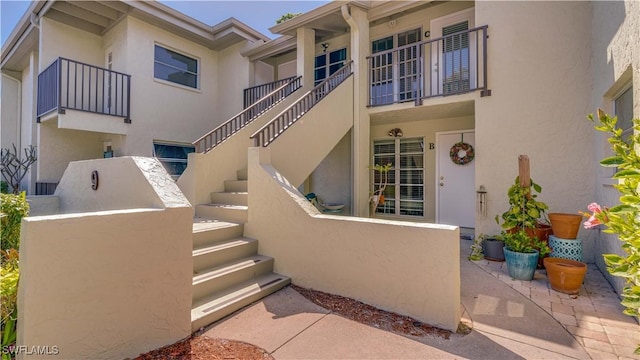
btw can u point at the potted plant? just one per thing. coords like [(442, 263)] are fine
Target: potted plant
[(377, 197), (565, 275), (521, 252), (524, 209), (493, 247)]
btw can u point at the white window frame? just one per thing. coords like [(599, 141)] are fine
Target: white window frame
[(173, 83), (397, 184), (328, 64)]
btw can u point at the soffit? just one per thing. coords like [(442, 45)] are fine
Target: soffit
[(408, 112), (95, 17)]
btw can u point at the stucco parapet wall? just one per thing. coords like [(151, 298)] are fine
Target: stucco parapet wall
[(123, 183), (43, 205), (404, 267)]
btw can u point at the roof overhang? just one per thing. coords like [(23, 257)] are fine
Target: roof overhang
[(98, 17), (280, 45)]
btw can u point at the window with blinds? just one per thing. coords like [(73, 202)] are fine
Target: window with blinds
[(404, 194), (455, 58)]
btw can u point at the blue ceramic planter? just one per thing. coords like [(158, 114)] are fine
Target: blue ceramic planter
[(521, 266)]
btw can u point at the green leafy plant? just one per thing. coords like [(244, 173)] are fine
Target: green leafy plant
[(4, 187), (624, 218), (520, 241), (9, 275), (286, 17), (13, 209), (524, 210), (476, 248)]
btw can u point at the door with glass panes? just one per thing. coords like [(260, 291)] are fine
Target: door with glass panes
[(328, 63), (395, 73), (404, 194)]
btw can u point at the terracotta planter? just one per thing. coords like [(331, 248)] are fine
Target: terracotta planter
[(565, 226), (565, 275)]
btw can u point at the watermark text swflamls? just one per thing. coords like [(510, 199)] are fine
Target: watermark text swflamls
[(31, 350)]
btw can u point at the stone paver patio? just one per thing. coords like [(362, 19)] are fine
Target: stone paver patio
[(594, 317)]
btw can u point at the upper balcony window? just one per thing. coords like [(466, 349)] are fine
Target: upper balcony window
[(174, 67), (328, 63)]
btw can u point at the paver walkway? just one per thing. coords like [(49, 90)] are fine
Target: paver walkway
[(510, 319), (594, 317)]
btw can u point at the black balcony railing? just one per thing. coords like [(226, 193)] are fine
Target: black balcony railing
[(69, 84), (449, 65)]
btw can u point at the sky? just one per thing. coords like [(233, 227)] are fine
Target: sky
[(259, 14)]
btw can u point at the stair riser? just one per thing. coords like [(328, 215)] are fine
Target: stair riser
[(242, 174), (239, 216), (202, 238), (235, 185), (229, 198), (229, 309), (222, 256), (211, 286)]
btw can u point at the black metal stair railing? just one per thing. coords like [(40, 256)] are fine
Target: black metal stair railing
[(255, 93), (219, 134), (70, 84), (270, 131)]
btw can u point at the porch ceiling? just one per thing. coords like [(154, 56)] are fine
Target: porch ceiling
[(408, 112), (92, 16)]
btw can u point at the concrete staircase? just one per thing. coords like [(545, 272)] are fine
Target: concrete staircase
[(228, 272)]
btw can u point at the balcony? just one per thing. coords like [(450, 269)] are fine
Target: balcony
[(72, 85), (449, 65)]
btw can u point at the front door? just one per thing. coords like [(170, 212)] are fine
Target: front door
[(455, 182)]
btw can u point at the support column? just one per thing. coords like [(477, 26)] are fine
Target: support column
[(360, 134), (306, 43)]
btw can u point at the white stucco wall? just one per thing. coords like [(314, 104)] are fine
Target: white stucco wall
[(9, 111), (58, 147), (60, 40), (28, 126), (540, 77), (107, 284), (404, 267), (615, 64), (162, 110), (331, 180), (232, 78)]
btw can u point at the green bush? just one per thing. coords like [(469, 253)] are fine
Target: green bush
[(9, 274), (4, 187), (12, 209)]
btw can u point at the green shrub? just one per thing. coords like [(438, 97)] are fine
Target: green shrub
[(9, 274), (4, 187), (12, 209)]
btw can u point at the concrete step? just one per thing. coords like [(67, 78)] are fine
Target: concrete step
[(225, 302), (231, 198), (213, 280), (223, 252), (242, 174), (231, 213), (210, 231), (235, 185)]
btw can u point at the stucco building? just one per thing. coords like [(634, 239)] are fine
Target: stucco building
[(408, 81)]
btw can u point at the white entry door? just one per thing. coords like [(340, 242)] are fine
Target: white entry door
[(455, 184)]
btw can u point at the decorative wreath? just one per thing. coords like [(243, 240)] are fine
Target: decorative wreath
[(461, 153)]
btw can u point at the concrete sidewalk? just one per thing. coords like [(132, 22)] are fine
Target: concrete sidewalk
[(506, 325)]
